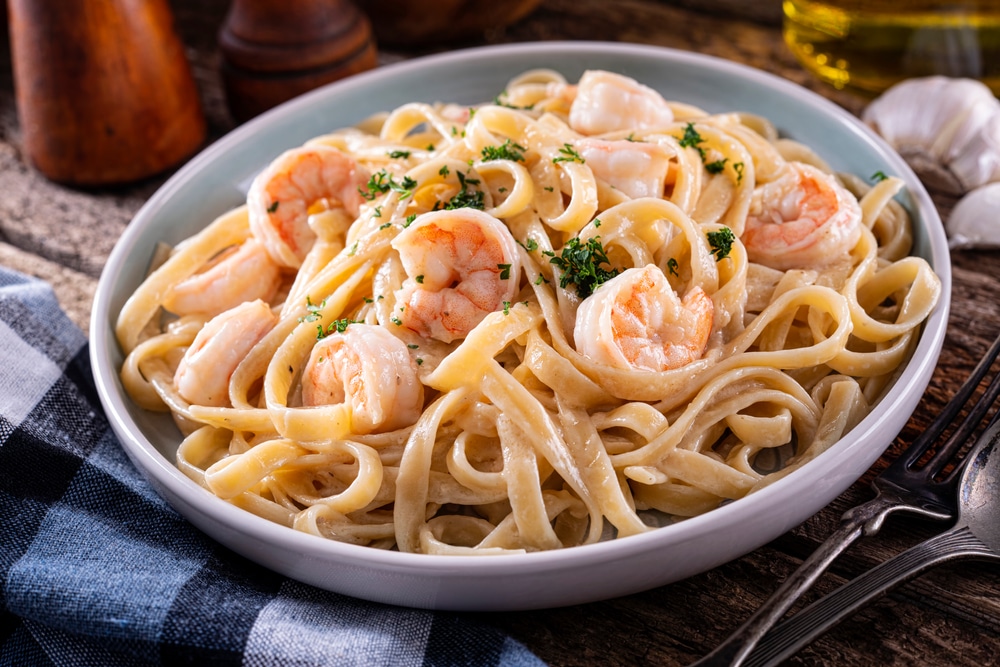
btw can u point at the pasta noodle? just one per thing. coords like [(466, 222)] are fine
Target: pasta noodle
[(577, 313)]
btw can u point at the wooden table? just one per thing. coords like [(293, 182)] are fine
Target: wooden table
[(950, 616)]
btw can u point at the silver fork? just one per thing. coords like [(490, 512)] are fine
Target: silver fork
[(909, 484), (976, 534)]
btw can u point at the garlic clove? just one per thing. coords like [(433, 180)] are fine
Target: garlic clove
[(977, 159), (975, 220), (942, 126)]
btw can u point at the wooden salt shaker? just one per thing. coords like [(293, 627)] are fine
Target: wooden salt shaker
[(274, 50), (104, 92)]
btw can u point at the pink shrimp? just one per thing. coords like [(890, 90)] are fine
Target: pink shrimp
[(637, 321), (607, 102), (803, 219), (280, 197), (241, 273), (638, 169), (461, 266), (202, 377), (371, 371)]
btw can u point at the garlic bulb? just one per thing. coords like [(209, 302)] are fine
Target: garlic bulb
[(975, 220), (947, 129)]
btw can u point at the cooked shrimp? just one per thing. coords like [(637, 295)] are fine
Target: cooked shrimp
[(637, 321), (241, 273), (202, 378), (606, 102), (280, 197), (638, 169), (370, 370), (803, 219), (461, 265)]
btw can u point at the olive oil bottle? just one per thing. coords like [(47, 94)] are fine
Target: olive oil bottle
[(868, 45)]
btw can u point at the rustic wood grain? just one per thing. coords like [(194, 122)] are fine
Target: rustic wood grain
[(950, 616)]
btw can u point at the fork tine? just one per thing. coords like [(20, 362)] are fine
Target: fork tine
[(925, 440), (965, 430)]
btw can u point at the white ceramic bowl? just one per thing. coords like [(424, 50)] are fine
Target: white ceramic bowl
[(216, 180)]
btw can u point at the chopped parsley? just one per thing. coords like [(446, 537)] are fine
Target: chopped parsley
[(420, 361), (378, 212), (273, 207), (691, 139), (878, 177), (413, 346), (384, 225), (568, 154), (506, 307), (506, 151), (409, 220), (738, 166), (444, 171), (504, 271), (399, 154), (672, 266), (313, 310), (580, 264), (420, 279), (721, 243), (339, 326), (381, 182), (717, 166), (354, 249), (465, 198)]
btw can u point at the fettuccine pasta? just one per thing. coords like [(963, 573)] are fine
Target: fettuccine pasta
[(577, 313)]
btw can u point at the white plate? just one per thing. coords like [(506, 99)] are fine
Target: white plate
[(215, 180)]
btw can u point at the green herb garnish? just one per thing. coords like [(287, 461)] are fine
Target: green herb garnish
[(465, 198), (339, 326), (721, 243), (568, 154), (399, 154), (313, 310), (581, 265), (506, 151), (691, 139), (717, 166), (878, 177), (381, 182)]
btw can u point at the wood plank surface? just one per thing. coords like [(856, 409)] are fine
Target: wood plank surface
[(950, 616)]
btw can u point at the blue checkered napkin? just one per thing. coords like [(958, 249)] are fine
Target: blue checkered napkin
[(97, 570)]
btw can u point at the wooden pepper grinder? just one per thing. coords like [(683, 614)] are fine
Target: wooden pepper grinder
[(274, 50), (104, 92)]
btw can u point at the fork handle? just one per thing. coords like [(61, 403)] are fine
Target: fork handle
[(801, 629), (734, 650)]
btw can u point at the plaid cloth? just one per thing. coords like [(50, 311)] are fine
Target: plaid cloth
[(96, 569)]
